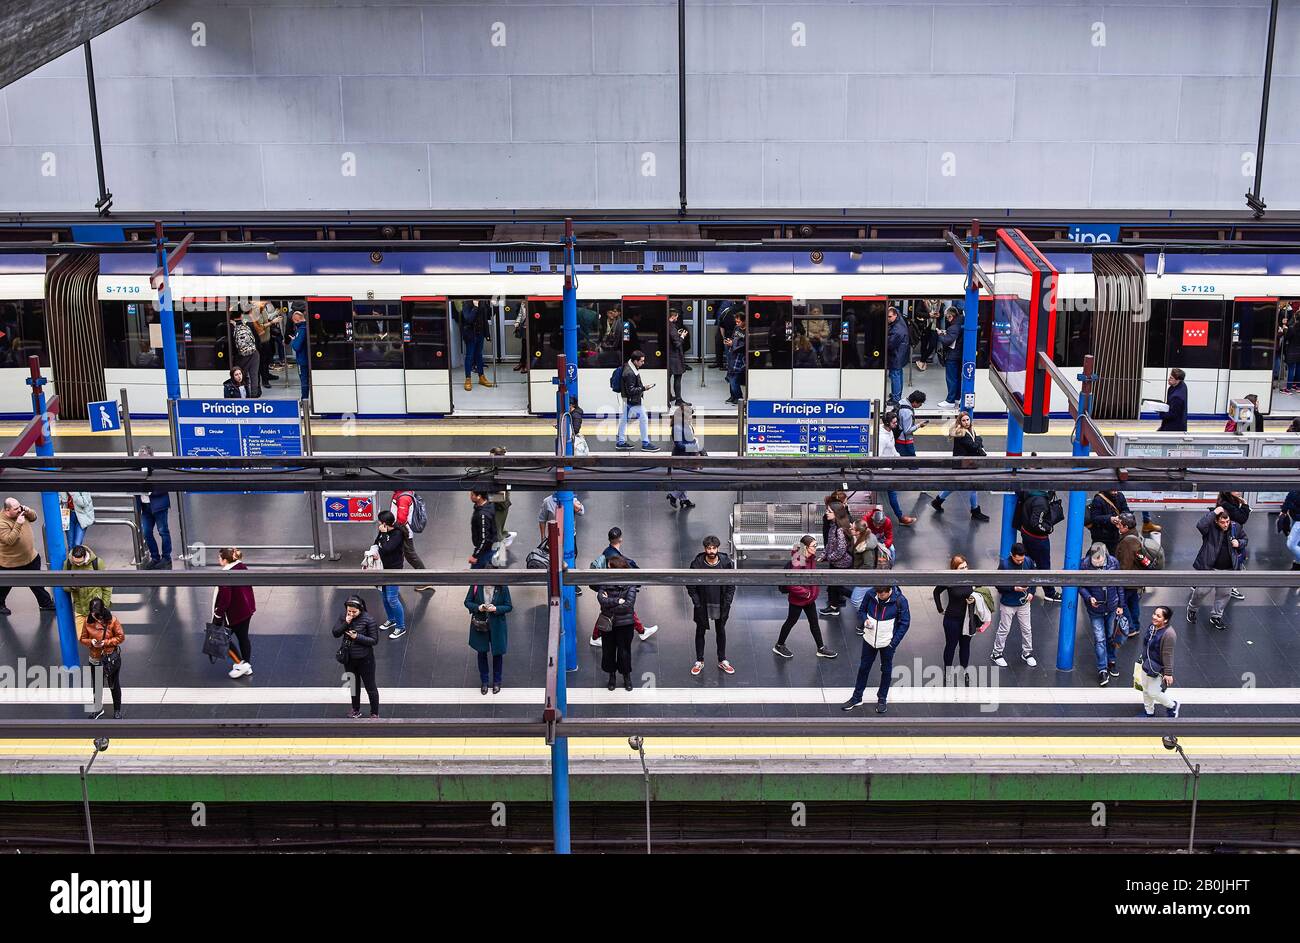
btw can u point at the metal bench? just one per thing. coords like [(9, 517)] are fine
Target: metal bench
[(762, 533)]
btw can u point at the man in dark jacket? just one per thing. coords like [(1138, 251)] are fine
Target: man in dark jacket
[(1104, 512), (618, 604), (898, 348), (360, 636), (1102, 604), (736, 353), (1014, 604), (633, 393), (1173, 419), (482, 530), (950, 348), (474, 332), (726, 330), (885, 618), (1034, 509), (1223, 547), (298, 341), (711, 602), (1131, 554)]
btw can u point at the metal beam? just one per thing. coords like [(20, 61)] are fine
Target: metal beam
[(685, 727), (34, 32)]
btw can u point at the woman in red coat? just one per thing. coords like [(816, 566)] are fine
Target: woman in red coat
[(803, 599), (235, 606)]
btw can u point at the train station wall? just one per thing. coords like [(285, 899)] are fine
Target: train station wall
[(365, 104)]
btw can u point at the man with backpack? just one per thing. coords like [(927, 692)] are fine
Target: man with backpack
[(410, 513), (632, 390), (1037, 514), (1223, 547), (736, 353), (243, 343)]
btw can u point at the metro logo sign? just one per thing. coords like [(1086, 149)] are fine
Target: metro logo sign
[(1196, 333), (349, 508)]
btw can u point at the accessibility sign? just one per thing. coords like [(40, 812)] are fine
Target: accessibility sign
[(239, 428), (348, 507), (104, 417)]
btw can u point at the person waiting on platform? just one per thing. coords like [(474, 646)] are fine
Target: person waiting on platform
[(18, 550), (1132, 554), (81, 559), (243, 344), (356, 654), (482, 530), (235, 606), (81, 515), (102, 635), (632, 389), (487, 631), (389, 546), (711, 602), (474, 332), (898, 350), (802, 599), (965, 443), (154, 507), (236, 385), (616, 624), (1103, 517), (1173, 418), (299, 344), (1014, 602), (1223, 547), (888, 428), (1103, 605), (1234, 502), (1034, 519), (886, 618), (684, 443), (950, 351), (1157, 664), (612, 550), (678, 340), (968, 611), (736, 354)]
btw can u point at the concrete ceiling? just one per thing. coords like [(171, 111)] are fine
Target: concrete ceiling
[(34, 32)]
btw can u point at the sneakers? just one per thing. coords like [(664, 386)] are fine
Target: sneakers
[(1216, 622), (850, 704), (697, 668), (673, 501), (649, 447), (426, 589), (947, 405), (725, 665), (977, 515), (1191, 615), (388, 626), (829, 610), (624, 446), (687, 504), (649, 631), (825, 652), (1237, 594), (937, 504), (397, 632), (354, 713), (1029, 659), (1173, 711), (240, 670), (1103, 678), (595, 641), (95, 714), (1052, 597), (781, 650), (882, 707), (1113, 670), (998, 659)]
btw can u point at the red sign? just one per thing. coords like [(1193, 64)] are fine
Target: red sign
[(1196, 333), (342, 508)]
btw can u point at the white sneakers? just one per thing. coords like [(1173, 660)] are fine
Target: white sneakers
[(649, 631), (595, 641), (242, 669)]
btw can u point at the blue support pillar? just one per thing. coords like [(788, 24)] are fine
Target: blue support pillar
[(1074, 537), (56, 547), (171, 361), (970, 323), (1015, 445)]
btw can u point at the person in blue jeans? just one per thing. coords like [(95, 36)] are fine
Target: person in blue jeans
[(885, 618), (736, 352), (299, 344), (950, 345), (1102, 604), (391, 543), (633, 394), (153, 509), (1291, 512), (474, 331), (898, 349)]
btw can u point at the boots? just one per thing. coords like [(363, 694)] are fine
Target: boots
[(627, 682), (469, 384), (937, 504), (611, 681), (484, 381), (977, 515)]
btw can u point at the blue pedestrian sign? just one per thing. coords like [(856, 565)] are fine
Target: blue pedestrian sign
[(104, 417)]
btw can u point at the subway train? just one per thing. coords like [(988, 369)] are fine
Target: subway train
[(384, 339)]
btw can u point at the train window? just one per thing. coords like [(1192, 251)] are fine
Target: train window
[(985, 332), (424, 326), (1195, 339), (377, 335), (611, 330), (647, 330), (545, 333), (25, 334), (818, 336), (205, 333), (1157, 333), (1073, 339), (770, 324), (862, 333), (329, 334), (1254, 335)]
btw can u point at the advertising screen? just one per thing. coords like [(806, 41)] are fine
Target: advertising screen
[(1024, 323)]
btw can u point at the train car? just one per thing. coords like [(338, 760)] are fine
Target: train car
[(385, 337), (23, 331)]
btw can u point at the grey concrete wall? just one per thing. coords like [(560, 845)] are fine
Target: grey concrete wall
[(330, 104)]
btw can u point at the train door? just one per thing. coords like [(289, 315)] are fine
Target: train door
[(544, 342), (486, 389), (1195, 341), (862, 336), (378, 333), (331, 355), (769, 325), (1252, 351), (205, 352), (646, 329), (427, 372), (1286, 359), (817, 349)]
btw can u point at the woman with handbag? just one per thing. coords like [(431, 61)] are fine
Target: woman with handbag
[(838, 554), (235, 605), (487, 631), (357, 652), (802, 599), (102, 634), (616, 625), (966, 613), (965, 443)]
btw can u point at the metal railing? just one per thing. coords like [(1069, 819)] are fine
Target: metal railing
[(137, 539)]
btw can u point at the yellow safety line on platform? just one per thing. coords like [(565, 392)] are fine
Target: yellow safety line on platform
[(711, 747), (519, 426)]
